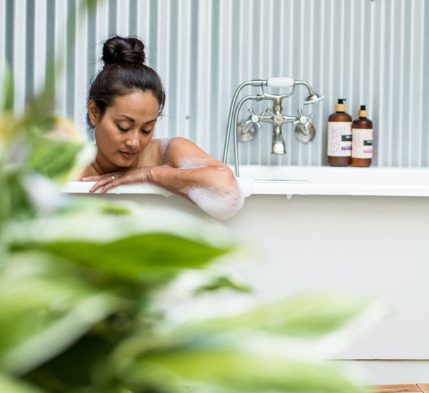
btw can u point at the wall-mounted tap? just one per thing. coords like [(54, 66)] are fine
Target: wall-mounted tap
[(245, 131), (304, 129)]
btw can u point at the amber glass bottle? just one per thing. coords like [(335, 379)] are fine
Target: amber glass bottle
[(362, 139), (339, 136)]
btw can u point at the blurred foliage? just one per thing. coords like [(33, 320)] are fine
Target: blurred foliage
[(81, 279)]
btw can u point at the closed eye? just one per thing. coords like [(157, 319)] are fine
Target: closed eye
[(122, 129), (150, 125)]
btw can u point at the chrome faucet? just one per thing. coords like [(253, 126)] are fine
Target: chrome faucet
[(245, 131)]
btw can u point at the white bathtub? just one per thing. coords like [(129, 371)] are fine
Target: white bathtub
[(337, 181), (277, 180), (358, 230)]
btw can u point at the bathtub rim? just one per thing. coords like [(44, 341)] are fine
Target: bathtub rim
[(262, 180)]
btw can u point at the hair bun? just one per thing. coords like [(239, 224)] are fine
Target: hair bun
[(119, 50)]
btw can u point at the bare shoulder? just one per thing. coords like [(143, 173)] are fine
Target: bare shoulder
[(88, 171), (179, 143), (183, 152)]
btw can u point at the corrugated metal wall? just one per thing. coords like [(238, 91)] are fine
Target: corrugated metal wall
[(372, 52)]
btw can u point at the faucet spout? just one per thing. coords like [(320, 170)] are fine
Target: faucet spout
[(279, 145)]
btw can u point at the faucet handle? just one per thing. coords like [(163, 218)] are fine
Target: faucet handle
[(302, 118), (304, 129), (254, 118), (246, 130)]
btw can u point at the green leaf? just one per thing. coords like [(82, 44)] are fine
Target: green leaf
[(150, 243), (14, 202), (44, 309), (235, 371), (84, 367), (10, 385), (52, 158), (87, 205), (95, 220), (309, 315), (39, 110), (8, 91), (38, 114), (222, 282), (138, 257)]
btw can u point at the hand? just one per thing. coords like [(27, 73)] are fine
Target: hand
[(109, 180)]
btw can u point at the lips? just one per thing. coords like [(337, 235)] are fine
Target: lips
[(128, 154)]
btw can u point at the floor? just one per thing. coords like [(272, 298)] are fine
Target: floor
[(409, 388)]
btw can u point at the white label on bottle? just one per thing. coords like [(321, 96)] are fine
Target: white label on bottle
[(362, 142), (339, 138)]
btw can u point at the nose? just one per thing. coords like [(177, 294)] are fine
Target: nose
[(133, 140)]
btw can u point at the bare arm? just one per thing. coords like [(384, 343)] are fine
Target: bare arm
[(189, 172), (188, 166)]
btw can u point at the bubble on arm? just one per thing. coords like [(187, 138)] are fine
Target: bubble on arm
[(192, 163), (220, 205)]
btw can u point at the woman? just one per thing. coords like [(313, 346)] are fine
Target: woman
[(124, 103)]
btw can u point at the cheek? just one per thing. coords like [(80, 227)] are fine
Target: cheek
[(145, 139), (105, 136), (100, 138)]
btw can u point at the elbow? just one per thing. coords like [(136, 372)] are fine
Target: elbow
[(229, 180), (229, 187), (233, 195), (221, 200)]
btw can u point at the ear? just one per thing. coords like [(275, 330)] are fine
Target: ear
[(93, 113)]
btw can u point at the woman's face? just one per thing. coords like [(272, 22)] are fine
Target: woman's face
[(125, 128)]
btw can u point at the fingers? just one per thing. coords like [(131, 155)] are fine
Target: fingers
[(92, 178), (104, 182), (107, 185)]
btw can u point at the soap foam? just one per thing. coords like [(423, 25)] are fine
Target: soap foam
[(192, 163), (220, 205)]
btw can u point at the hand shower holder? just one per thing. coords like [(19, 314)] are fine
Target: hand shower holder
[(304, 130)]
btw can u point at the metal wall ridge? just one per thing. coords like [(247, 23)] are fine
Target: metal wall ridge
[(373, 52)]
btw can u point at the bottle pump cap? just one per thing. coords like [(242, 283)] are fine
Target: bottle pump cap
[(340, 107), (362, 112)]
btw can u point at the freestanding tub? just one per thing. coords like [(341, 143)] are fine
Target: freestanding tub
[(354, 230)]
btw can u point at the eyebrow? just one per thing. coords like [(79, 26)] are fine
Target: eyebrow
[(132, 120)]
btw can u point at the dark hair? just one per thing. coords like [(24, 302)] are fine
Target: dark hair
[(124, 71)]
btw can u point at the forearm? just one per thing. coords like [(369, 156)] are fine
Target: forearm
[(213, 188), (180, 181), (177, 180)]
